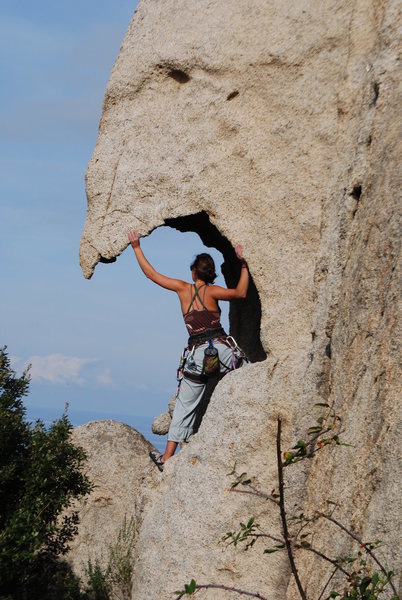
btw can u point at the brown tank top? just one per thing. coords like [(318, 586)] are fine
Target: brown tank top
[(198, 321)]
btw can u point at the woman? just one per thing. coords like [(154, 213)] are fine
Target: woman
[(201, 313)]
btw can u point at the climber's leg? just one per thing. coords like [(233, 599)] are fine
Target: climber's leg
[(170, 450), (182, 425), (188, 399)]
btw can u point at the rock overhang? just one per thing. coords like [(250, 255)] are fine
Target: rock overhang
[(277, 167)]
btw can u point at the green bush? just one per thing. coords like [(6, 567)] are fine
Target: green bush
[(98, 585), (40, 475), (116, 579)]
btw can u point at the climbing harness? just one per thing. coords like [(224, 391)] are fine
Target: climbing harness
[(205, 336), (211, 362)]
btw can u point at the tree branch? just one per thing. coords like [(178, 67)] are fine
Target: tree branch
[(218, 586), (327, 584), (255, 492), (323, 556), (365, 546), (283, 512)]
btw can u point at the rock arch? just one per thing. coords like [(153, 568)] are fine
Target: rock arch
[(244, 316), (272, 166)]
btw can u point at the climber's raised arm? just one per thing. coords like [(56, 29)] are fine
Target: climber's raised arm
[(240, 291), (176, 285)]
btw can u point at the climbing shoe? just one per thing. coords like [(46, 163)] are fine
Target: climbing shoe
[(157, 459)]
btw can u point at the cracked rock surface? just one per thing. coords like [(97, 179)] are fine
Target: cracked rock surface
[(279, 121)]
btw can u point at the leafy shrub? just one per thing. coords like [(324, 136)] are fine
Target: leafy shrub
[(40, 475), (116, 580)]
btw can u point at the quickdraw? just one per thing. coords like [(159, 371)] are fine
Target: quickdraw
[(186, 355), (238, 355)]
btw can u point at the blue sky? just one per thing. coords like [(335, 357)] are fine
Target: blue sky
[(108, 346)]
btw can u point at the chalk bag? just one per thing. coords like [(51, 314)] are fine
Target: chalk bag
[(211, 364)]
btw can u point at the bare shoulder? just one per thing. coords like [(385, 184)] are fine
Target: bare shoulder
[(185, 290)]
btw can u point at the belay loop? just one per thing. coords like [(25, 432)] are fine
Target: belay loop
[(211, 364)]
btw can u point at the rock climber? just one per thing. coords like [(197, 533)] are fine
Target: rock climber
[(210, 352)]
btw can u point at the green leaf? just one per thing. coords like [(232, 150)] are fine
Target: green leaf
[(232, 472), (365, 583), (350, 559), (274, 549), (311, 430), (189, 588), (289, 456)]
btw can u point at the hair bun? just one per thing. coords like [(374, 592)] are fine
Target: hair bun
[(205, 267)]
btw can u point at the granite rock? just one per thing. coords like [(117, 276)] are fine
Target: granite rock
[(273, 124), (117, 465), (161, 424)]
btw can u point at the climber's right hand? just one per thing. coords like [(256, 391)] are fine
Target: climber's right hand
[(134, 238)]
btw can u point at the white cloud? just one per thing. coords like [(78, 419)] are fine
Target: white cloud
[(105, 377), (58, 368)]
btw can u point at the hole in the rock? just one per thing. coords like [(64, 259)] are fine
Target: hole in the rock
[(376, 91), (107, 261), (356, 191), (232, 95), (244, 315), (179, 75)]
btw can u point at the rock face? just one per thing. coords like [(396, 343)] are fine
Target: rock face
[(161, 423), (273, 124), (117, 464)]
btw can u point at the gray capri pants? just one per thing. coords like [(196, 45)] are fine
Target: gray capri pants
[(190, 394)]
